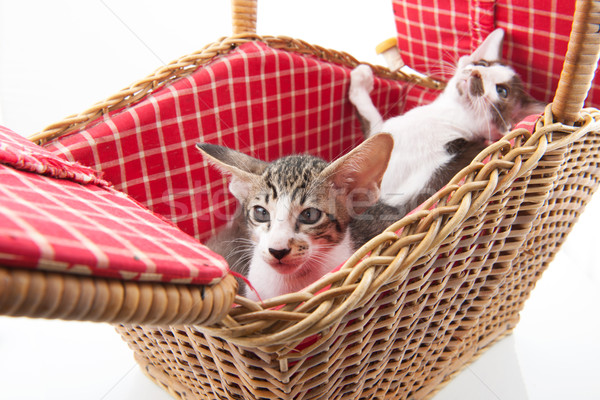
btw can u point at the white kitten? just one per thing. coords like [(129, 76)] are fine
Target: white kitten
[(480, 104)]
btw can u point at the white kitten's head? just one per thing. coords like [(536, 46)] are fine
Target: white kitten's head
[(492, 89), (298, 207)]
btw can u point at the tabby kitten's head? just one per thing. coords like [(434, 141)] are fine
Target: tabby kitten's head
[(492, 89), (298, 209)]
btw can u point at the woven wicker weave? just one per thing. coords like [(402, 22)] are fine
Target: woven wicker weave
[(409, 309)]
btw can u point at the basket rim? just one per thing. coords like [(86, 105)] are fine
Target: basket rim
[(74, 297)]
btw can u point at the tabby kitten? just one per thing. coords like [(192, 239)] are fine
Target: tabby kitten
[(480, 104), (300, 216)]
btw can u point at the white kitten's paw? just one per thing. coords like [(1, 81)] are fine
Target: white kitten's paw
[(361, 80)]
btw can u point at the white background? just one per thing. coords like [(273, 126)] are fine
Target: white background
[(58, 58)]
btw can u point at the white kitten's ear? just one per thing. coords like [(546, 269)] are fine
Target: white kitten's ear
[(357, 176), (491, 48), (242, 168)]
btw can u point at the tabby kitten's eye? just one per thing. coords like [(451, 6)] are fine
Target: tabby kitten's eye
[(260, 214), (502, 91), (481, 63), (309, 216)]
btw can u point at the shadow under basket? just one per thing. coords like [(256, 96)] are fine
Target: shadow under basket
[(406, 311)]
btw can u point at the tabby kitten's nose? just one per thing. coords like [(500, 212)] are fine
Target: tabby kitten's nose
[(279, 254)]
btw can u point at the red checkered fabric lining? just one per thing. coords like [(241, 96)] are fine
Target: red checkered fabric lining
[(60, 225), (528, 123), (262, 101), (432, 35), (20, 153)]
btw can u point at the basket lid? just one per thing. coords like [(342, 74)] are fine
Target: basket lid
[(57, 215)]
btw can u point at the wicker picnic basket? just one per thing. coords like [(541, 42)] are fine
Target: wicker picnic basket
[(411, 307)]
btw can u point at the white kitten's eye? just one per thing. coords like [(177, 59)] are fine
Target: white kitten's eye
[(260, 214), (309, 216), (502, 91), (481, 63)]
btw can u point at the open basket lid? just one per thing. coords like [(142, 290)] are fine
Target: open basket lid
[(59, 218)]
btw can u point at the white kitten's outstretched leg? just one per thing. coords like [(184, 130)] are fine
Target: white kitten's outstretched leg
[(361, 84)]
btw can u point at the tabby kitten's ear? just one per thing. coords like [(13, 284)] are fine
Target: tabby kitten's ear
[(356, 177), (243, 169)]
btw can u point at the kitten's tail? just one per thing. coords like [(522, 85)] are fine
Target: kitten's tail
[(361, 84)]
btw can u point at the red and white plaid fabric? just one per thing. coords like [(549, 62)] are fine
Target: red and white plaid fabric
[(432, 35), (265, 102), (20, 153), (59, 216)]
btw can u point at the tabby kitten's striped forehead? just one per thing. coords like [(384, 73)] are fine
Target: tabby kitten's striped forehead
[(293, 176)]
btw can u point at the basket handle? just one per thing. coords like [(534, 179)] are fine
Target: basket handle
[(243, 16), (580, 62)]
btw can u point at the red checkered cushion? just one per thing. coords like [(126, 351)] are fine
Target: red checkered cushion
[(432, 35), (60, 216), (262, 101)]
